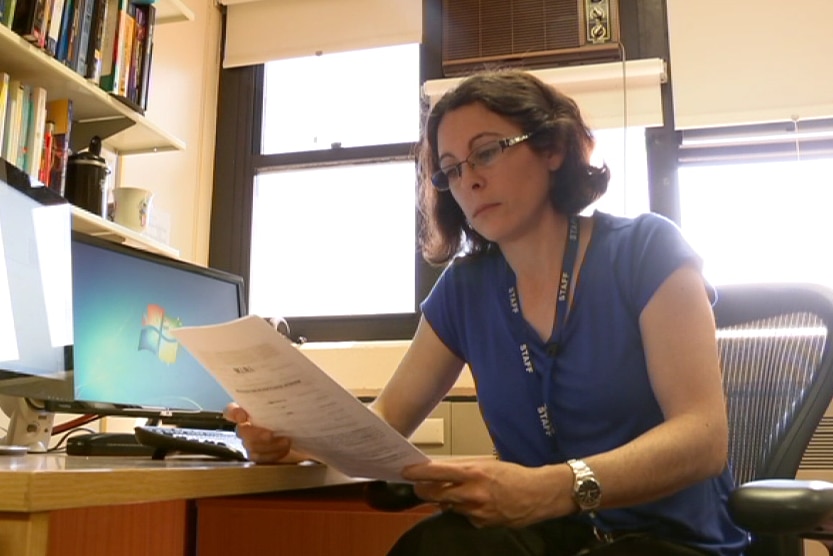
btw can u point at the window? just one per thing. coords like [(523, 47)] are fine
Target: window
[(348, 99), (759, 221), (755, 201), (333, 200), (334, 240), (624, 152)]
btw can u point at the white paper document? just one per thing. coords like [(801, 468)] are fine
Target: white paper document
[(282, 390)]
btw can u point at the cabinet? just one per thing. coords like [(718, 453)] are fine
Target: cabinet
[(318, 522), (95, 112), (157, 528), (458, 430)]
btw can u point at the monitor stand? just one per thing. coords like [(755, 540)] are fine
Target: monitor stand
[(28, 426)]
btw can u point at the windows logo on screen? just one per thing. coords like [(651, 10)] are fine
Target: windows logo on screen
[(155, 335)]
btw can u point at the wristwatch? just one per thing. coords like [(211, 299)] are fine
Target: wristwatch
[(587, 492)]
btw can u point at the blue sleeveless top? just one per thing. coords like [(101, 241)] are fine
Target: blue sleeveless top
[(600, 396)]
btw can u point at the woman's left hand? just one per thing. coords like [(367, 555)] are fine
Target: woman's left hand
[(487, 491)]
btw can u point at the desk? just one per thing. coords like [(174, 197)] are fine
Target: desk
[(32, 486)]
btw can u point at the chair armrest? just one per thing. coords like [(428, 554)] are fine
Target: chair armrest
[(390, 497), (784, 506)]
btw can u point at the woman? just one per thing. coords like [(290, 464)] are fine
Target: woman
[(591, 341)]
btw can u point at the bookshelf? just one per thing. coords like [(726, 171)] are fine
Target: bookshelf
[(91, 224), (94, 112)]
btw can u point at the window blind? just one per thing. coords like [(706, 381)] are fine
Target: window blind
[(774, 141), (259, 31), (610, 95), (749, 61)]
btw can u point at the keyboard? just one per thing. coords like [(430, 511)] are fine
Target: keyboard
[(218, 443)]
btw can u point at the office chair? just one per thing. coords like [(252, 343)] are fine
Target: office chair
[(775, 352)]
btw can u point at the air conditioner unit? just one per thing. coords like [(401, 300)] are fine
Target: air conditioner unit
[(527, 33)]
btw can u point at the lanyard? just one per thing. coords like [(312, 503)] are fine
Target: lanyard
[(543, 385), (568, 265), (562, 307)]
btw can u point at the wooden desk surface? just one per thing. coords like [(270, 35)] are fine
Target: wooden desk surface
[(39, 482)]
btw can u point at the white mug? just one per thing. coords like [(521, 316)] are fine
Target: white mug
[(132, 207)]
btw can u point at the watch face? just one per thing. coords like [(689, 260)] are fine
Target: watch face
[(588, 493)]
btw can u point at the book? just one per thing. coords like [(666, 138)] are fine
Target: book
[(24, 125), (82, 41), (4, 96), (139, 36), (66, 28), (14, 116), (41, 21), (95, 47), (147, 57), (126, 54), (111, 50), (59, 112), (30, 20), (24, 22), (74, 31), (46, 154), (35, 131), (53, 28), (284, 391), (8, 13)]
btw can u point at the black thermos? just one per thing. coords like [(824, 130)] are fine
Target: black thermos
[(87, 178)]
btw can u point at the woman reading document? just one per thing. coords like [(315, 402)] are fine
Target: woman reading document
[(590, 339)]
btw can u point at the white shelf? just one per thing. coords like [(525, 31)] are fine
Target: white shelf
[(89, 223), (94, 111)]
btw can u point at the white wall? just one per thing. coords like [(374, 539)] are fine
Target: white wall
[(183, 101)]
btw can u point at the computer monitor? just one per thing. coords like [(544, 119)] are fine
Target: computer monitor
[(126, 362), (118, 304), (35, 297)]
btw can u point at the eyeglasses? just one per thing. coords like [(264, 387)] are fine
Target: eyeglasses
[(482, 156)]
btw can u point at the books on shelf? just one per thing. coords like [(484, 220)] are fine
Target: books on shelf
[(108, 42), (34, 131)]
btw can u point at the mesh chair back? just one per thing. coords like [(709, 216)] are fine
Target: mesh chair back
[(775, 352)]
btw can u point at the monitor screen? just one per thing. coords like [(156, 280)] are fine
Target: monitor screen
[(126, 302), (35, 285)]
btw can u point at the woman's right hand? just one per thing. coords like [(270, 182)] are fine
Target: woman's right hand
[(261, 444)]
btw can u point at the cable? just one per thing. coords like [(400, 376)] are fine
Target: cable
[(625, 179), (77, 422)]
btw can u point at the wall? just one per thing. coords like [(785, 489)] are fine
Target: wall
[(183, 101)]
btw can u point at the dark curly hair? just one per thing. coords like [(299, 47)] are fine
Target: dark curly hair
[(537, 108)]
